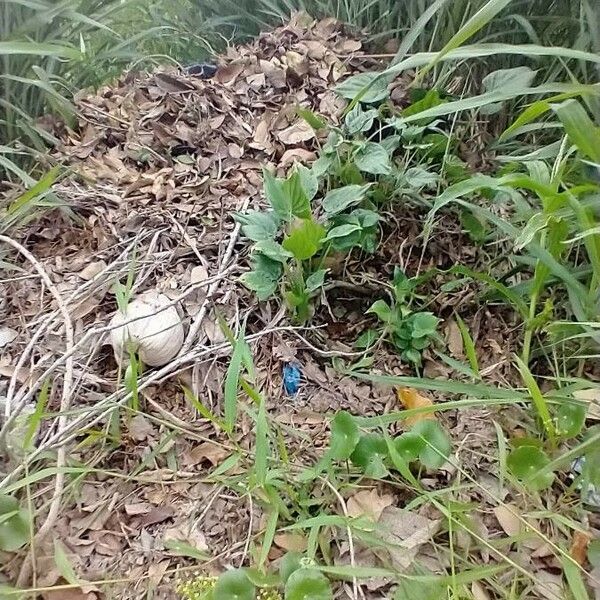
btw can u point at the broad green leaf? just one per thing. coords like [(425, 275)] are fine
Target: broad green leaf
[(305, 239), (258, 225), (277, 196), (417, 177), (342, 231), (255, 281), (309, 180), (526, 464), (315, 280), (579, 128), (383, 311), (408, 446), (593, 553), (234, 585), (573, 573), (373, 158), (273, 250), (514, 79), (367, 87), (431, 99), (367, 338), (308, 584), (423, 324), (359, 120), (344, 436), (536, 223), (341, 198), (264, 277), (294, 190)]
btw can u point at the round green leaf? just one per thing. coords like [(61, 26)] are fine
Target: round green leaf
[(436, 444), (344, 436), (369, 455), (290, 563), (526, 462), (409, 446), (570, 419), (308, 584), (234, 585)]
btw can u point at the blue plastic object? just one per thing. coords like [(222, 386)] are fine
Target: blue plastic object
[(291, 378)]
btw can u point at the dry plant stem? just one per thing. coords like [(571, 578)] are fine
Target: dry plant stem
[(356, 589), (105, 407), (32, 388), (27, 565), (197, 323)]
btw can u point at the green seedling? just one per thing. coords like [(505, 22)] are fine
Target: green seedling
[(409, 331)]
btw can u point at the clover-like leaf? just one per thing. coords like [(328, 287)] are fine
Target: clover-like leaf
[(369, 454), (234, 585), (526, 463), (344, 436), (570, 419), (290, 563), (308, 584)]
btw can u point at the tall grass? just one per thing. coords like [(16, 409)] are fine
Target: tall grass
[(50, 49)]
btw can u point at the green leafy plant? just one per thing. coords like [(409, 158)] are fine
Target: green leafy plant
[(409, 331), (292, 239), (14, 524)]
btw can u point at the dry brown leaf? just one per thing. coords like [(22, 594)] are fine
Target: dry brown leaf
[(410, 399), (198, 274), (479, 592), (549, 586), (7, 335), (292, 542), (299, 132), (454, 339), (68, 594), (406, 531), (369, 503), (213, 453), (507, 515), (92, 269), (592, 396), (229, 73), (579, 546), (140, 428)]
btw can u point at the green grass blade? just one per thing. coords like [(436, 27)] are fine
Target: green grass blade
[(38, 49), (479, 20), (580, 129), (232, 382), (539, 400), (469, 345), (572, 573)]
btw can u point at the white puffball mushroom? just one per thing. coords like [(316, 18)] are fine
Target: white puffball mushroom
[(156, 334)]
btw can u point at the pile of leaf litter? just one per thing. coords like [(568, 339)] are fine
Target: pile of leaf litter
[(158, 165)]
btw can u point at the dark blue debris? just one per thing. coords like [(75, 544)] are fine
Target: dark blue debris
[(291, 378), (202, 70)]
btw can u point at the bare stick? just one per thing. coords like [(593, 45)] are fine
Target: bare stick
[(197, 323), (27, 565)]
